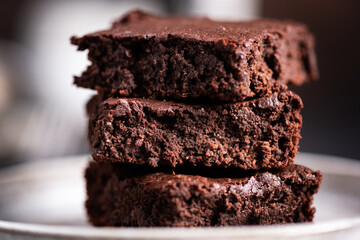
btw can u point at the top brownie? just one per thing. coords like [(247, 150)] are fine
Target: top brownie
[(174, 58)]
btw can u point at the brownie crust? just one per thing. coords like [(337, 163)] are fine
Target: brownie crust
[(179, 200), (176, 58), (256, 134)]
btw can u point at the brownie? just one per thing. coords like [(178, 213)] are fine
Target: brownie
[(254, 134), (176, 58), (123, 196)]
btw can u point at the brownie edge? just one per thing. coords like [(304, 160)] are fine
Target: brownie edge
[(178, 200)]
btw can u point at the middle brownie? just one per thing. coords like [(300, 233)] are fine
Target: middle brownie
[(256, 134)]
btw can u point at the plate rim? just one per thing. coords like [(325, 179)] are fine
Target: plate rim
[(292, 230), (349, 167)]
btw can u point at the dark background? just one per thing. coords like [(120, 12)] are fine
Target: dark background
[(332, 104)]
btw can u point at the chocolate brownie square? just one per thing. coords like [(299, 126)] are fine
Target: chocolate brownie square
[(121, 195), (256, 134), (177, 58)]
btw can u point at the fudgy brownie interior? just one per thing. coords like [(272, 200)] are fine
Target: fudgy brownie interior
[(145, 199), (256, 134), (185, 58)]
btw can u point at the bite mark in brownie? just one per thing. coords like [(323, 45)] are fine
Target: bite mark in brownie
[(256, 134), (178, 58), (123, 196)]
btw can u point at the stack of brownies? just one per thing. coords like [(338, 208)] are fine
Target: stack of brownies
[(193, 124)]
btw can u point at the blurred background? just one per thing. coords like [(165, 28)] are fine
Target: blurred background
[(42, 114)]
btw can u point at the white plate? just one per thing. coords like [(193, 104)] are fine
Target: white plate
[(44, 200)]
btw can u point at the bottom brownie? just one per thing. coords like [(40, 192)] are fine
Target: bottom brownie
[(120, 195)]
